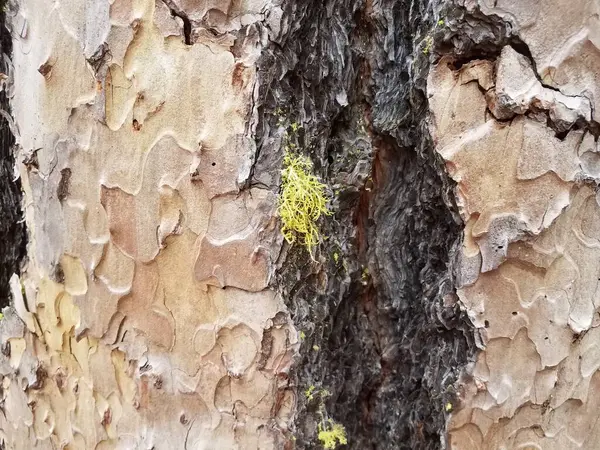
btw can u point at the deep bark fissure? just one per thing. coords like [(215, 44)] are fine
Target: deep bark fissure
[(187, 24), (379, 335), (469, 35), (12, 227)]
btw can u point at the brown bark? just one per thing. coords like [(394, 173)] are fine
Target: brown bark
[(451, 301), (147, 320)]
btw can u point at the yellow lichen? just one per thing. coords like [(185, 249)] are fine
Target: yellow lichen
[(323, 393), (332, 434), (301, 201), (309, 393), (428, 45)]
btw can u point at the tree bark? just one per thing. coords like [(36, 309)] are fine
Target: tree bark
[(451, 301), (147, 320), (514, 115)]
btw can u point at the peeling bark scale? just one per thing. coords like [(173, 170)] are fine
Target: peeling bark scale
[(150, 300)]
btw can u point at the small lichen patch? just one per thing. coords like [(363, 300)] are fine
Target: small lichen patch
[(309, 392), (332, 434), (302, 201), (428, 45)]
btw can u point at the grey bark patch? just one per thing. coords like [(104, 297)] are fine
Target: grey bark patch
[(12, 227), (62, 191), (378, 334)]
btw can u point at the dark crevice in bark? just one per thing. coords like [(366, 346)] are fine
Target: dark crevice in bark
[(187, 24), (468, 34), (384, 334), (12, 226)]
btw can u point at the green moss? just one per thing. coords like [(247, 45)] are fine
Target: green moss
[(428, 41), (301, 203)]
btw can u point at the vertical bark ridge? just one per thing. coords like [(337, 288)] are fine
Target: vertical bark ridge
[(12, 228)]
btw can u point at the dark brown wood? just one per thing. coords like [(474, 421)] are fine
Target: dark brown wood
[(350, 77), (12, 227)]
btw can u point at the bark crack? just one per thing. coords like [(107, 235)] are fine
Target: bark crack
[(176, 11)]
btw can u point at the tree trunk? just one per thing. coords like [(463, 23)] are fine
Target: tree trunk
[(451, 300)]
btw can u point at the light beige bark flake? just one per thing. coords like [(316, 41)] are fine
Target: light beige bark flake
[(531, 254), (146, 292)]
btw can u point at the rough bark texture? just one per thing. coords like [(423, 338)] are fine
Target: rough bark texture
[(514, 105), (147, 320), (12, 227), (384, 335), (452, 302)]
